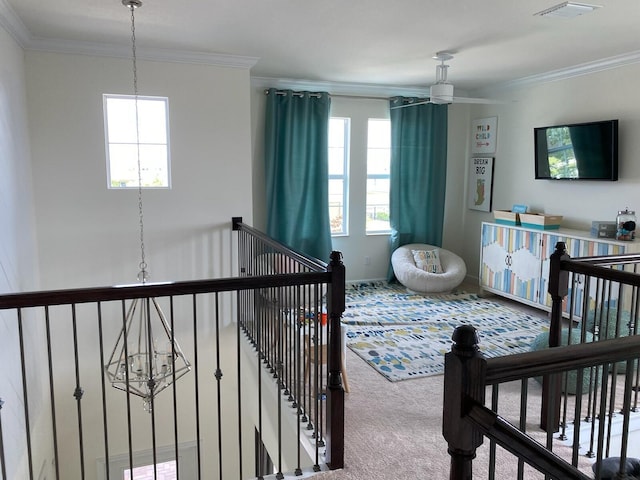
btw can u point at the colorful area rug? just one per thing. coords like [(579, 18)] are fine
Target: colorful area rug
[(405, 335)]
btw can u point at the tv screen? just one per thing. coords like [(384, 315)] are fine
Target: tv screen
[(579, 151)]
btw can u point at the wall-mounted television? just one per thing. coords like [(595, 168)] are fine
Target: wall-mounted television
[(578, 151)]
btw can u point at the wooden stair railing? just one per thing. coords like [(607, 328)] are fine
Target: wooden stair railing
[(467, 374)]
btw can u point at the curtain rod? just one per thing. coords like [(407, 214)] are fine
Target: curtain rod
[(317, 95)]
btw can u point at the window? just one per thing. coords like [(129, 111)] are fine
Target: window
[(165, 471), (378, 166), (338, 174), (167, 468), (125, 141)]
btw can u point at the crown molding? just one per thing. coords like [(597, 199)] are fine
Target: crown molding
[(10, 21), (364, 90), (153, 54), (340, 88), (588, 68)]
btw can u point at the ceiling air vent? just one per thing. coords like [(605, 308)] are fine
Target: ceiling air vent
[(567, 10)]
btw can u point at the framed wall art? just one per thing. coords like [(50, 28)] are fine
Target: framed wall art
[(484, 135), (480, 186)]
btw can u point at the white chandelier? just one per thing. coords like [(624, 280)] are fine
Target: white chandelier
[(146, 358)]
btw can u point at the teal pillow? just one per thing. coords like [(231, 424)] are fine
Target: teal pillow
[(608, 329), (542, 341), (609, 324)]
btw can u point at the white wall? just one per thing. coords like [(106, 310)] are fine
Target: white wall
[(88, 234), (18, 267), (455, 219), (599, 96), (17, 235)]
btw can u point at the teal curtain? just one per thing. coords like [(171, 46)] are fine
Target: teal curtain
[(588, 145), (297, 170), (418, 173)]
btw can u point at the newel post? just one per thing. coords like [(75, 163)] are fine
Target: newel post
[(552, 384), (464, 384), (335, 390)]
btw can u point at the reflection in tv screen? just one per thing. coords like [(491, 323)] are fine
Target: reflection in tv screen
[(584, 151)]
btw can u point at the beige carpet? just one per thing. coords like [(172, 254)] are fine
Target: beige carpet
[(394, 430)]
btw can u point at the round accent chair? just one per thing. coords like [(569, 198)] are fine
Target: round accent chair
[(425, 268)]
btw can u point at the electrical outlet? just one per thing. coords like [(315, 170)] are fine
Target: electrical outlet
[(367, 260)]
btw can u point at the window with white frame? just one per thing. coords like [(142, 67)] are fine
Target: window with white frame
[(137, 129), (166, 466), (378, 178), (160, 471), (338, 174)]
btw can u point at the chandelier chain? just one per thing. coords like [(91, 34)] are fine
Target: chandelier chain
[(143, 263), (142, 362)]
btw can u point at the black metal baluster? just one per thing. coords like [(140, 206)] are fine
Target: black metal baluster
[(524, 394), (634, 323), (602, 414), (259, 399), (151, 385), (308, 394), (3, 467), (323, 361), (614, 367), (239, 296), (591, 414), (278, 375), (25, 394), (103, 392), (78, 392), (54, 423), (298, 329), (197, 382), (218, 376), (174, 390), (317, 393), (125, 333), (492, 444), (626, 415)]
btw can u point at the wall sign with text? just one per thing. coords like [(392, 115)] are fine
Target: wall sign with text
[(480, 187), (484, 135)]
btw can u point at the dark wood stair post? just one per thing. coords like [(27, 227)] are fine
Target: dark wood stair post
[(464, 385), (552, 384), (335, 394)]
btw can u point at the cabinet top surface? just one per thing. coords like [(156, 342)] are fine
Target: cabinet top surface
[(583, 234)]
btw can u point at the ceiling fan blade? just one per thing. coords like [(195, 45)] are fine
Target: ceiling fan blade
[(413, 104), (487, 101)]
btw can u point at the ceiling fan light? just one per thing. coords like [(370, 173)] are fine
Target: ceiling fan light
[(441, 93)]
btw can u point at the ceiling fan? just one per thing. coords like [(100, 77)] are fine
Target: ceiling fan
[(441, 92)]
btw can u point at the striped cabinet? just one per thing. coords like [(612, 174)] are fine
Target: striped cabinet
[(514, 262), (510, 261), (577, 244)]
